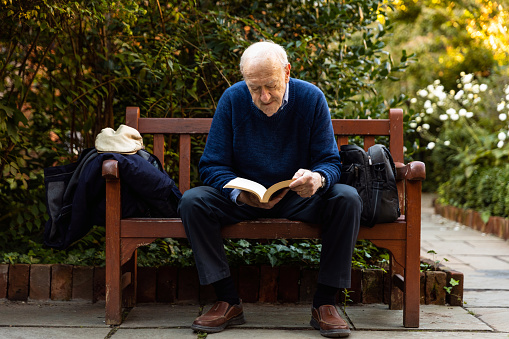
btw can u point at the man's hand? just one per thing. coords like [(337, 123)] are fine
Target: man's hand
[(250, 199), (306, 183)]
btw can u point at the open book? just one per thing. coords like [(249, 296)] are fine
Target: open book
[(263, 194)]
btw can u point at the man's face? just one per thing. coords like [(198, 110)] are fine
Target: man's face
[(267, 81)]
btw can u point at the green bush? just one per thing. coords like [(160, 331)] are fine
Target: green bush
[(70, 68)]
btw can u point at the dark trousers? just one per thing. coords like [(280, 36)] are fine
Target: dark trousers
[(204, 210)]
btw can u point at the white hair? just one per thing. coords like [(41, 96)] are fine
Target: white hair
[(267, 49)]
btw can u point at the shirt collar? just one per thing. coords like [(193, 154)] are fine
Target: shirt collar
[(285, 97)]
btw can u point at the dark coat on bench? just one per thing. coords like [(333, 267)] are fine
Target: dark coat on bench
[(75, 194)]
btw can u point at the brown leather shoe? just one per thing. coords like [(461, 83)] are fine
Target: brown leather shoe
[(327, 319), (219, 317)]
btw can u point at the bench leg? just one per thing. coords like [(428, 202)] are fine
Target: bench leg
[(129, 293), (113, 265), (396, 297), (412, 269)]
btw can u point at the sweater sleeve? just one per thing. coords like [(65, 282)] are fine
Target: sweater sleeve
[(323, 148), (216, 163)]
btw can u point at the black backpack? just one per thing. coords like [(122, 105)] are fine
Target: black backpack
[(373, 174)]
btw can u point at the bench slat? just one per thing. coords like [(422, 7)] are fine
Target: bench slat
[(255, 229)]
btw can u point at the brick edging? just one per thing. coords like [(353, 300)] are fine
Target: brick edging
[(497, 226), (58, 282)]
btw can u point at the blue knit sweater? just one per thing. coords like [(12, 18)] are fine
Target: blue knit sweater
[(244, 142)]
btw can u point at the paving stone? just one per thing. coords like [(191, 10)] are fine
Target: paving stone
[(236, 332), (161, 315), (425, 334), (294, 316), (495, 317), (486, 280), (40, 282), (486, 298), (432, 317), (58, 314), (54, 333), (154, 333)]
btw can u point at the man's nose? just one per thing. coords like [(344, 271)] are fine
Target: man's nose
[(265, 95)]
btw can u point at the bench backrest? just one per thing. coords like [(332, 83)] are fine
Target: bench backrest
[(367, 129)]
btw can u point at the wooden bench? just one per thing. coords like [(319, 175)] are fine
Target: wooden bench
[(123, 236)]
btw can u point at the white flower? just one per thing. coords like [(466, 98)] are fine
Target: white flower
[(502, 117), (507, 90), (418, 119), (476, 100), (413, 124), (462, 112), (423, 93), (500, 106), (430, 88), (468, 87), (450, 111), (459, 95), (469, 114), (427, 104), (436, 82), (470, 96), (475, 89), (443, 117), (507, 97), (429, 110), (501, 136), (425, 126), (447, 143), (455, 116), (467, 78), (500, 144), (441, 96), (431, 145), (413, 100), (483, 87)]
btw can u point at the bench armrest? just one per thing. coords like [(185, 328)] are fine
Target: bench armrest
[(110, 169), (415, 170)]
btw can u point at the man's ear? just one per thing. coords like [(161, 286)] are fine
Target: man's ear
[(287, 72)]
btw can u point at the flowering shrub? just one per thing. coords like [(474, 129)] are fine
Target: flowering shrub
[(465, 133)]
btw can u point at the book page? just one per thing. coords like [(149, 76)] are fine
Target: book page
[(274, 188), (247, 185)]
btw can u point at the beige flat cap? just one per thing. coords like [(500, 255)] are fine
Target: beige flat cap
[(125, 140)]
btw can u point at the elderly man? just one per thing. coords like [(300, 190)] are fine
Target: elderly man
[(268, 128)]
